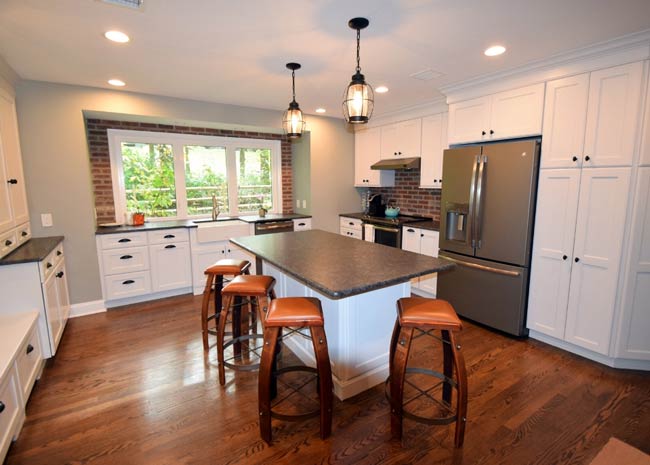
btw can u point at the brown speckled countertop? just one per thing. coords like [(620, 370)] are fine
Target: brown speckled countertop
[(339, 266), (34, 250), (431, 225)]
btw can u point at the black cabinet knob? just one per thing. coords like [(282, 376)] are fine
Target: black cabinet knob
[(564, 257), (172, 246), (491, 131), (24, 233), (8, 243), (12, 181), (576, 259), (421, 235), (587, 158), (59, 274), (2, 406), (30, 348), (410, 230), (482, 133), (575, 158), (399, 153), (59, 253), (48, 266)]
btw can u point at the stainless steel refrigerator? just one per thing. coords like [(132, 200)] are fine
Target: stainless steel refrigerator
[(486, 228)]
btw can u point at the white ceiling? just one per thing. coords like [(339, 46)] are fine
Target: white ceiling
[(235, 51)]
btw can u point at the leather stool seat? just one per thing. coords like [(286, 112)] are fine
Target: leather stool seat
[(228, 266), (295, 311), (249, 285), (427, 313)]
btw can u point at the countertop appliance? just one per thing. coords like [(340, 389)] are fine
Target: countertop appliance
[(385, 230), (375, 206), (270, 227), (486, 228)]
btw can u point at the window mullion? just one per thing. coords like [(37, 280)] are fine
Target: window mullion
[(179, 179), (231, 173)]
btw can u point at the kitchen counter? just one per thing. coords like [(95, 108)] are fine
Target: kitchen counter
[(34, 250), (358, 284), (157, 225), (431, 225), (339, 266)]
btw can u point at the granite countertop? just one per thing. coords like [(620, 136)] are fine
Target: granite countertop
[(339, 266), (157, 225), (358, 216), (431, 225), (34, 250)]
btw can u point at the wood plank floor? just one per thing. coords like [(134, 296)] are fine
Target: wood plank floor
[(132, 386)]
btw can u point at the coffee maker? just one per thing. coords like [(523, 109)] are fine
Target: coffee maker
[(375, 207)]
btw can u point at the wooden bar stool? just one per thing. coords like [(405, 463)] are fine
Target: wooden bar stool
[(259, 291), (296, 313), (214, 282), (426, 316)]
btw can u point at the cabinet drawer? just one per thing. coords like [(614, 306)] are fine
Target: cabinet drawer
[(10, 409), (125, 260), (28, 362), (165, 236), (303, 224), (127, 285), (351, 223), (8, 242), (116, 241), (23, 233), (47, 266), (357, 234)]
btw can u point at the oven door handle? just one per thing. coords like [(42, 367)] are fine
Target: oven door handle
[(384, 228)]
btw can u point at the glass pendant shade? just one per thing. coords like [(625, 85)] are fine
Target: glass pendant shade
[(292, 121), (358, 101)]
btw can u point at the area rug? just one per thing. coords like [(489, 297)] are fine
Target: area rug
[(617, 452)]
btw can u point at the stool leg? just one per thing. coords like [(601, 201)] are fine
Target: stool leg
[(204, 310), (393, 344), (221, 339), (447, 362), (397, 376), (245, 327), (461, 380), (264, 381), (236, 324), (324, 379), (218, 299)]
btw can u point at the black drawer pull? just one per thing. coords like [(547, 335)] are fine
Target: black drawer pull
[(410, 230), (421, 235), (170, 246), (59, 274), (169, 236), (59, 253), (12, 181), (30, 348), (2, 406), (124, 240), (126, 257), (351, 223), (128, 281), (24, 233), (301, 224), (48, 266), (8, 243)]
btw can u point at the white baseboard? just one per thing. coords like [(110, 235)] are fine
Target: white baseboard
[(87, 308)]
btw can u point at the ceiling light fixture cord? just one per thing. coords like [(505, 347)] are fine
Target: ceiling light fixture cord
[(358, 50), (293, 84)]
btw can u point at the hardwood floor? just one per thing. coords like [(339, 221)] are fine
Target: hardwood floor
[(132, 386)]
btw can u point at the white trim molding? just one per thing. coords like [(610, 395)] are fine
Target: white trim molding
[(87, 308)]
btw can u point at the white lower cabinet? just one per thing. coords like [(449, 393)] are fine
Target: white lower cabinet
[(171, 266), (302, 224), (423, 241), (351, 227), (580, 222)]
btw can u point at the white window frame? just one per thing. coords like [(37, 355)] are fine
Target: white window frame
[(118, 136)]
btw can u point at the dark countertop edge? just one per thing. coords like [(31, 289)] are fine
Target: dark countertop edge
[(158, 225), (431, 225), (351, 292), (34, 250), (358, 216)]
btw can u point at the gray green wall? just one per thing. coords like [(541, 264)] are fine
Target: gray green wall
[(57, 169)]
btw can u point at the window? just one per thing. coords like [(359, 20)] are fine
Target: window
[(177, 175)]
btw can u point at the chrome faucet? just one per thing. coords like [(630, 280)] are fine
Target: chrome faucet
[(215, 208)]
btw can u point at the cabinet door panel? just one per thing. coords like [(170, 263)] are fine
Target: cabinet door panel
[(52, 312), (517, 113), (366, 153), (557, 205), (170, 266), (645, 143), (13, 161), (612, 115), (411, 239), (434, 133), (429, 246), (599, 235), (409, 135), (565, 118), (468, 120), (63, 299), (6, 216), (389, 141)]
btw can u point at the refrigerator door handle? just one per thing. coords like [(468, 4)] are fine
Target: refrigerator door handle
[(472, 201), (479, 200), (480, 267)]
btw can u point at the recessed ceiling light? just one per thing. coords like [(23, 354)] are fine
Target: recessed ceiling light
[(381, 89), (117, 36), (494, 50), (320, 110), (116, 82)]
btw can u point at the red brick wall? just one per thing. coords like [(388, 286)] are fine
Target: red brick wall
[(100, 164), (409, 197)]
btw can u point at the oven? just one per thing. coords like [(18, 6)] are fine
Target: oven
[(386, 235), (270, 227)]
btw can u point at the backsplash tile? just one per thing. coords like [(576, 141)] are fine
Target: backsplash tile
[(409, 197)]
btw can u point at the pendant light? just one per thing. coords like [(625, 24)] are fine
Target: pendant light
[(358, 99), (292, 121)]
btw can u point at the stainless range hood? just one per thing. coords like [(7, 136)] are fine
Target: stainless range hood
[(397, 164)]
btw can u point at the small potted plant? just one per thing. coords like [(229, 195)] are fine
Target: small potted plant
[(262, 211)]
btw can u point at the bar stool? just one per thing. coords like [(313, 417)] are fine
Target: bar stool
[(259, 291), (215, 280), (296, 313), (426, 316)]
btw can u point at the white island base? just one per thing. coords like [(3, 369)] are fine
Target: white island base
[(358, 331)]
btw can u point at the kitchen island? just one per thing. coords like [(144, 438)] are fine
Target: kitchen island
[(358, 284)]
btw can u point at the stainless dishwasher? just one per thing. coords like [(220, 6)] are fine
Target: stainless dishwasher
[(270, 227)]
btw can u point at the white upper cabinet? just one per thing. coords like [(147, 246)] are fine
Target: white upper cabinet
[(645, 143), (401, 140), (504, 115), (6, 217), (366, 153), (596, 254), (612, 115), (565, 118), (434, 142)]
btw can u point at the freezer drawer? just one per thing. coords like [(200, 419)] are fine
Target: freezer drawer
[(486, 292)]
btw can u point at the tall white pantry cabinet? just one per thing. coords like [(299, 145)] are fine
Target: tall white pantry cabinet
[(585, 241)]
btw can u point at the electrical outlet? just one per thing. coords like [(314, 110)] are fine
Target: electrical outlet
[(46, 220), (297, 203), (304, 204)]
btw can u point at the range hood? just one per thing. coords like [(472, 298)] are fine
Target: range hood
[(397, 164)]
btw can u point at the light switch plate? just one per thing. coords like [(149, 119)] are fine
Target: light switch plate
[(297, 203), (304, 204), (46, 220)]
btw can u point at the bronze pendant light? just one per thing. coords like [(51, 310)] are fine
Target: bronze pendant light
[(292, 121), (358, 98)]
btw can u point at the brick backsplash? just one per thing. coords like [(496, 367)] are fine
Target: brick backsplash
[(409, 197), (100, 164)]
